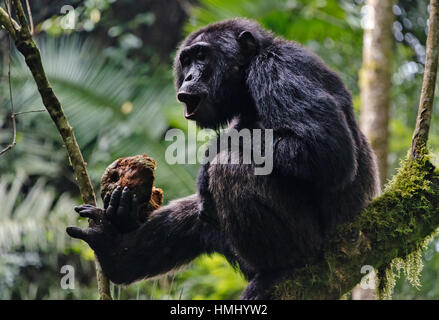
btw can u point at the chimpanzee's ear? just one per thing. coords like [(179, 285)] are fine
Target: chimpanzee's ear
[(248, 43)]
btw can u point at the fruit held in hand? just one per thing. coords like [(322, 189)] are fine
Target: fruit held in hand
[(136, 173)]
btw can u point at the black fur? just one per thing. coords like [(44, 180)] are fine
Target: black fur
[(324, 170)]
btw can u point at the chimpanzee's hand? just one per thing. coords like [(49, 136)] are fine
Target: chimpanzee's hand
[(101, 236), (120, 208), (120, 212), (110, 228)]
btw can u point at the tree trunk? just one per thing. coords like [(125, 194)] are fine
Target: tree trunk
[(375, 85), (376, 78)]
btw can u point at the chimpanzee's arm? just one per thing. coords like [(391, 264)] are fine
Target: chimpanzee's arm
[(172, 236)]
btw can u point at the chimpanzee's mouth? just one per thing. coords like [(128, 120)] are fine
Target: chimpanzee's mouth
[(191, 101)]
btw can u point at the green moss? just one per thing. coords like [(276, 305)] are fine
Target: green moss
[(388, 235), (411, 265), (416, 180)]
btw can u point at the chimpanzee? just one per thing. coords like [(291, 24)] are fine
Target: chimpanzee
[(324, 172)]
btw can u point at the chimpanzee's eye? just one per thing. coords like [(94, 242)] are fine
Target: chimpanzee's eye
[(184, 60), (201, 55)]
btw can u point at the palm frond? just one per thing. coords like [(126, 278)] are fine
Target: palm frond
[(35, 222)]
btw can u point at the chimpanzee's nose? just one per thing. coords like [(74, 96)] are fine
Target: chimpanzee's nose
[(188, 78), (186, 97)]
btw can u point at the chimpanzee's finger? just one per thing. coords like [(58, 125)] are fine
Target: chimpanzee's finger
[(78, 233), (114, 203), (107, 200), (125, 203), (133, 211), (91, 213), (83, 207)]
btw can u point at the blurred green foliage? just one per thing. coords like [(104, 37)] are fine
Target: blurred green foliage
[(113, 76)]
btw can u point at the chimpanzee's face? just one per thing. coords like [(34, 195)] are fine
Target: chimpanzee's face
[(196, 62), (210, 79)]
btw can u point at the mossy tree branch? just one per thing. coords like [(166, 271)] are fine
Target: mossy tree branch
[(27, 47), (395, 225), (392, 226)]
